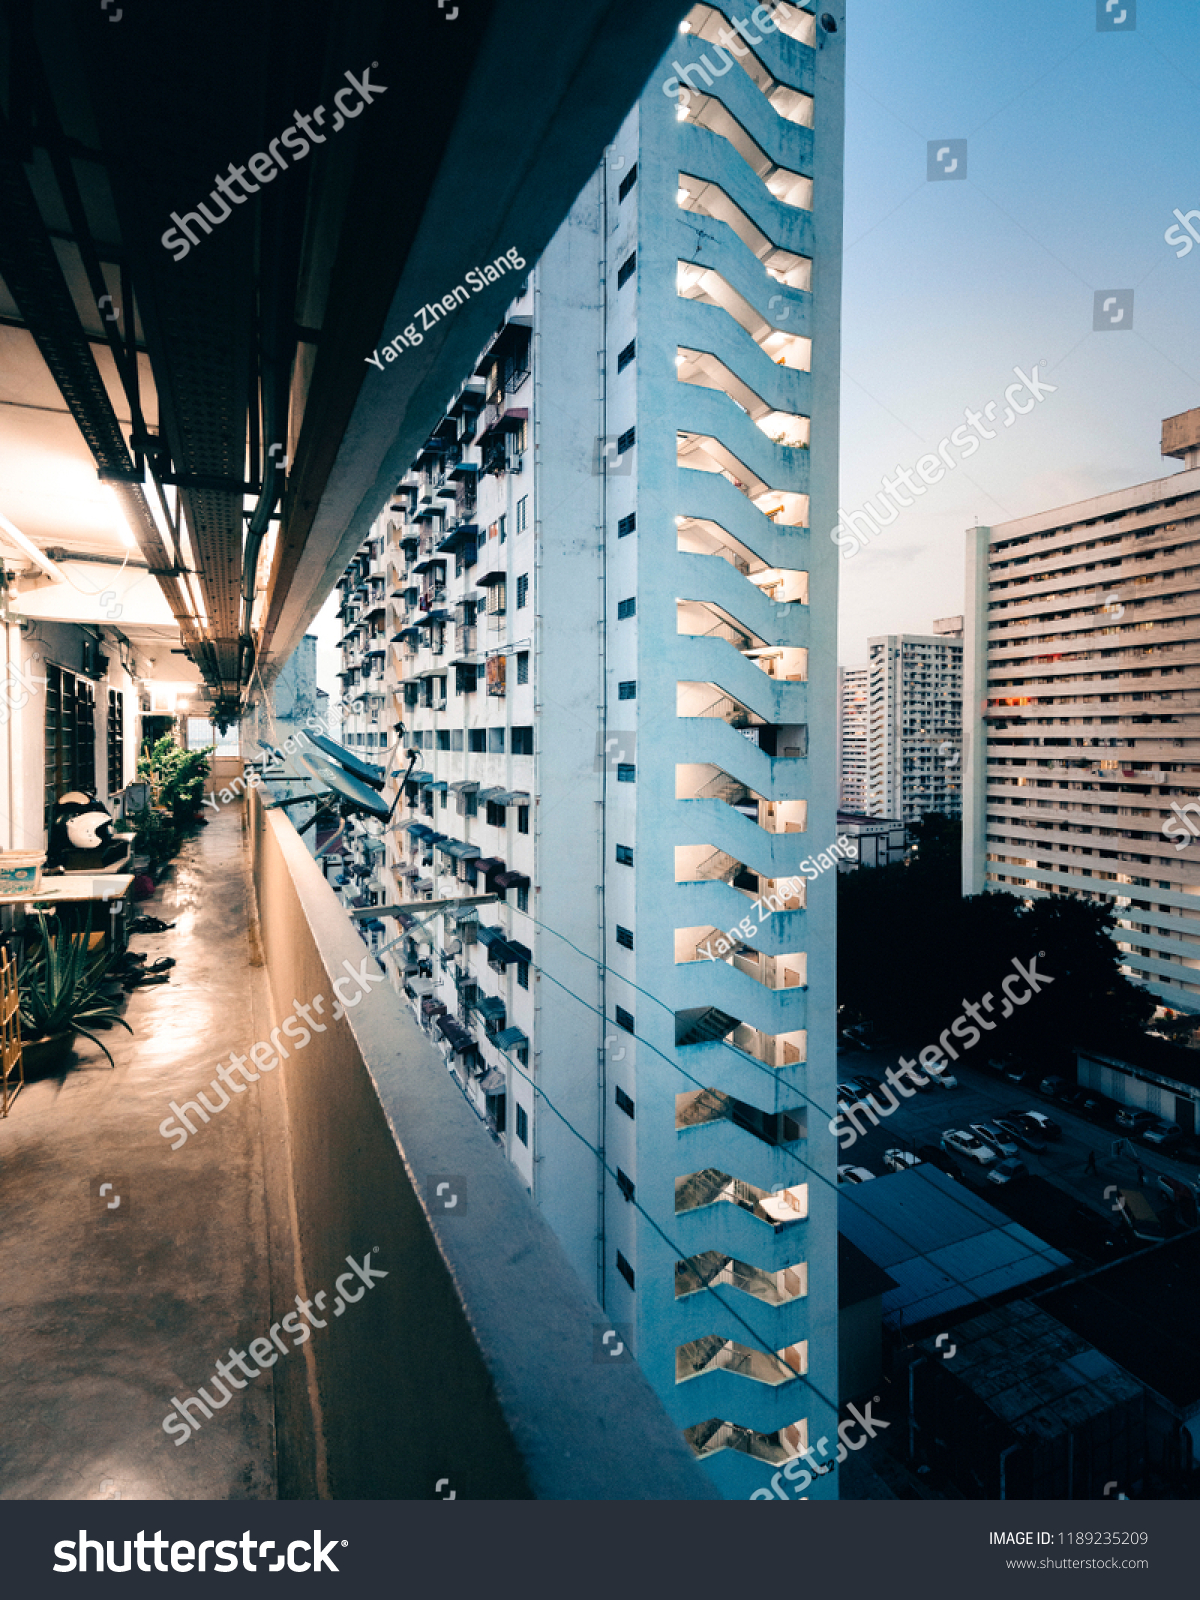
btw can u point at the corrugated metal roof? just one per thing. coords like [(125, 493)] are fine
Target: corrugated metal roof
[(943, 1245)]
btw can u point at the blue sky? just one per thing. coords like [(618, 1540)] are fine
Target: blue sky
[(1079, 146)]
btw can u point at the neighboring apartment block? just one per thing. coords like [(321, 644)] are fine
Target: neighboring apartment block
[(914, 759), (596, 610), (1083, 689), (853, 736)]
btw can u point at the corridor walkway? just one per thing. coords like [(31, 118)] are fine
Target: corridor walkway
[(108, 1313)]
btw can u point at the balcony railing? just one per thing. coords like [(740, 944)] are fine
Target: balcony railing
[(430, 1375)]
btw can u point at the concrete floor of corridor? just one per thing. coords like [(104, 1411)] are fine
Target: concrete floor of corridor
[(108, 1314)]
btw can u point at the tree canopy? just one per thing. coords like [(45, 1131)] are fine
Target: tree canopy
[(912, 952)]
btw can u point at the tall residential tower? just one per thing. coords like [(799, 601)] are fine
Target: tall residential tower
[(1082, 672), (612, 640)]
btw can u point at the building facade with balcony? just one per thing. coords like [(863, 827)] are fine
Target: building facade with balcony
[(611, 662), (914, 758), (1083, 694), (854, 736)]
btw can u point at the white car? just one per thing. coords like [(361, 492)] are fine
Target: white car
[(1008, 1171), (942, 1076), (854, 1175), (962, 1143), (991, 1133), (899, 1160)]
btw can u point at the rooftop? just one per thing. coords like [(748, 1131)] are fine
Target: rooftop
[(944, 1247), (1036, 1375), (1120, 1310)]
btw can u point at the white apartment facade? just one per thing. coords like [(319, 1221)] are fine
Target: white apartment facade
[(611, 640), (1083, 695), (914, 758), (854, 733)]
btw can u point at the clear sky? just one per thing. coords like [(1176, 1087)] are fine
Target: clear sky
[(1080, 144)]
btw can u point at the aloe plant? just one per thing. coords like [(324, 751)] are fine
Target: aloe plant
[(65, 988)]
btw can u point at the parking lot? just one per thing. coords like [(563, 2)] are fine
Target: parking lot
[(984, 1094)]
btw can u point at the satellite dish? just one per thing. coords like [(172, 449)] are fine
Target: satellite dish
[(345, 786), (366, 770)]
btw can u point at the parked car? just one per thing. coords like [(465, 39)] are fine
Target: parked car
[(854, 1175), (1053, 1088), (1133, 1119), (1021, 1076), (999, 1063), (992, 1133), (1097, 1107), (942, 1077), (934, 1156), (966, 1144), (1007, 1171), (853, 1042), (900, 1160), (1046, 1129), (1021, 1132), (866, 1083), (1176, 1191), (1161, 1135)]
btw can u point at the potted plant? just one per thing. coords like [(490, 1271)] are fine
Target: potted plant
[(63, 989)]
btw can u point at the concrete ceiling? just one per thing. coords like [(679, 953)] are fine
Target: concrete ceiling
[(173, 378)]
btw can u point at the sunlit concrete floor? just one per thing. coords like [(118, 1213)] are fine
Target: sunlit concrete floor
[(109, 1313)]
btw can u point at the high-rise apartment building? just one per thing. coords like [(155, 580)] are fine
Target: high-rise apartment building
[(601, 618), (854, 732), (914, 761), (1082, 667)]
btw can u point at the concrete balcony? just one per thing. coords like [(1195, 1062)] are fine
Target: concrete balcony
[(716, 268), (469, 1357), (711, 414), (783, 143), (709, 741), (700, 326), (712, 497), (786, 56), (720, 905), (716, 983), (704, 154)]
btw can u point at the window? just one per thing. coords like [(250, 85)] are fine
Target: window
[(625, 855), (626, 772), (523, 974), (497, 817), (70, 736), (116, 741), (478, 740), (627, 690), (522, 740), (625, 608), (522, 513), (625, 1269), (522, 899), (626, 355), (522, 666), (625, 937), (456, 738), (495, 741), (502, 528), (626, 525), (626, 270), (522, 821), (627, 183), (522, 1125), (625, 1184), (522, 589), (443, 739), (624, 1103), (624, 1019), (625, 441)]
